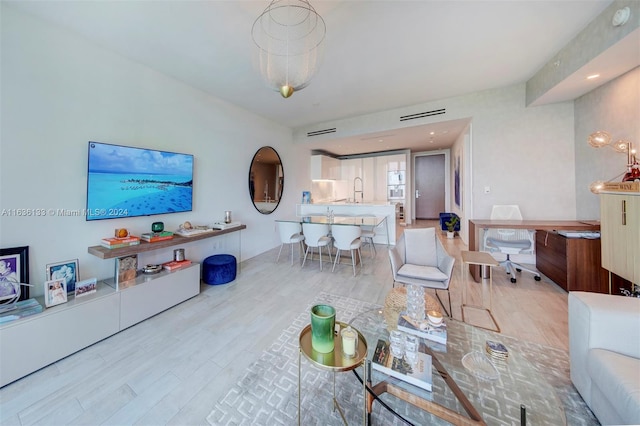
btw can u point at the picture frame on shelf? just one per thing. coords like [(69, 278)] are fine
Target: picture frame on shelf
[(69, 270), (14, 268), (55, 292), (86, 287)]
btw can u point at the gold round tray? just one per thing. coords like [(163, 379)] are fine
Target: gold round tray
[(335, 360)]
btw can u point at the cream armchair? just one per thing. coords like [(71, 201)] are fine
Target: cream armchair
[(419, 258)]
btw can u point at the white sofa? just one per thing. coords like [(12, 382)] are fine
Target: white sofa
[(604, 349)]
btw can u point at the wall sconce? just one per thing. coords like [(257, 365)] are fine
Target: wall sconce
[(601, 139)]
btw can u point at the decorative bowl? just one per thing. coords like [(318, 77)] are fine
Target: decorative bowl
[(480, 366)]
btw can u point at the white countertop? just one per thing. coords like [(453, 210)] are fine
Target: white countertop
[(344, 203)]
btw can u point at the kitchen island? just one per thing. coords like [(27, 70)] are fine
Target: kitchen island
[(380, 208)]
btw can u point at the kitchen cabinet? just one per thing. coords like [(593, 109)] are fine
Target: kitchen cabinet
[(351, 169), (381, 168), (620, 234), (325, 167), (396, 162)]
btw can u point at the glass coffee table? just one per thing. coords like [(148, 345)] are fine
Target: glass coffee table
[(458, 396)]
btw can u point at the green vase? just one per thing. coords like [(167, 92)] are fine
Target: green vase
[(323, 321)]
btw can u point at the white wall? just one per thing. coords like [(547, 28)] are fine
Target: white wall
[(615, 108), (60, 91), (525, 155)]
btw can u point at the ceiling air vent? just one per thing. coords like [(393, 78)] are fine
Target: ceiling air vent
[(321, 132), (423, 114)]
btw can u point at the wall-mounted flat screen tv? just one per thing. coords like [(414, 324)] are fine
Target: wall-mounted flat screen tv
[(127, 182)]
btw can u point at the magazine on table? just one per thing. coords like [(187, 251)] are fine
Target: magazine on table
[(418, 374), (424, 329)]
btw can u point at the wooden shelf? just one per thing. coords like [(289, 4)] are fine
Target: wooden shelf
[(105, 253)]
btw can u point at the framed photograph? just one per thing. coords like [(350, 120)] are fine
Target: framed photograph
[(14, 268), (68, 270), (55, 292), (85, 287)]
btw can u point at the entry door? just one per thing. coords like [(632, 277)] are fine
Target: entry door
[(430, 186)]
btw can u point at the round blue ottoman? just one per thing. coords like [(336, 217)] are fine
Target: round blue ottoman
[(219, 269)]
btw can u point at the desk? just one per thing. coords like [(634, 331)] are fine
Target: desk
[(539, 225)]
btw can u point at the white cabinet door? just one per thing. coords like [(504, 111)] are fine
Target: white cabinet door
[(316, 167), (330, 168), (397, 162), (351, 169), (620, 234), (324, 167), (382, 169)]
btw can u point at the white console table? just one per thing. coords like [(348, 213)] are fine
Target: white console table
[(33, 342)]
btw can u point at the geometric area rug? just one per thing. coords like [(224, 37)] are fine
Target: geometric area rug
[(267, 393)]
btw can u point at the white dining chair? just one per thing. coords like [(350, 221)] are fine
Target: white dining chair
[(290, 233), (316, 235), (367, 235), (347, 237)]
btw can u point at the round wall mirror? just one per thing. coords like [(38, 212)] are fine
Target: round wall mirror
[(266, 179)]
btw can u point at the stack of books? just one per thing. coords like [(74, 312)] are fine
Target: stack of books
[(174, 264), (112, 243), (497, 350), (424, 329), (154, 237), (418, 373)]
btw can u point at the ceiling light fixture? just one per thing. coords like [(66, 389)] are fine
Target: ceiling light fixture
[(592, 76), (289, 35), (621, 16)]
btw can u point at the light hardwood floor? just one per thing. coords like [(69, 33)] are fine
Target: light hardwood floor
[(170, 369)]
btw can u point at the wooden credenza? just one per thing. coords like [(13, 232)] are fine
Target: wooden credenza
[(572, 263)]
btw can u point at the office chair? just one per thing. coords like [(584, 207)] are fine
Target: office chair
[(510, 241)]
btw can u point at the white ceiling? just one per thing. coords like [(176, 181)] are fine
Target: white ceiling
[(379, 55)]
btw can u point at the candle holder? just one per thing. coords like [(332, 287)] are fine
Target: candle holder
[(323, 323), (349, 342)]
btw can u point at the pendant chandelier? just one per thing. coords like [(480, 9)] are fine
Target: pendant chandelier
[(289, 35)]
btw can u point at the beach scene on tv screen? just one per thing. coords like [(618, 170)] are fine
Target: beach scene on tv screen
[(126, 181)]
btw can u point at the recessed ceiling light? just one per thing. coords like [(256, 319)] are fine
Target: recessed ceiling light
[(592, 76), (432, 133)]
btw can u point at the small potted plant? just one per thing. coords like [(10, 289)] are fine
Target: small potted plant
[(451, 226)]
